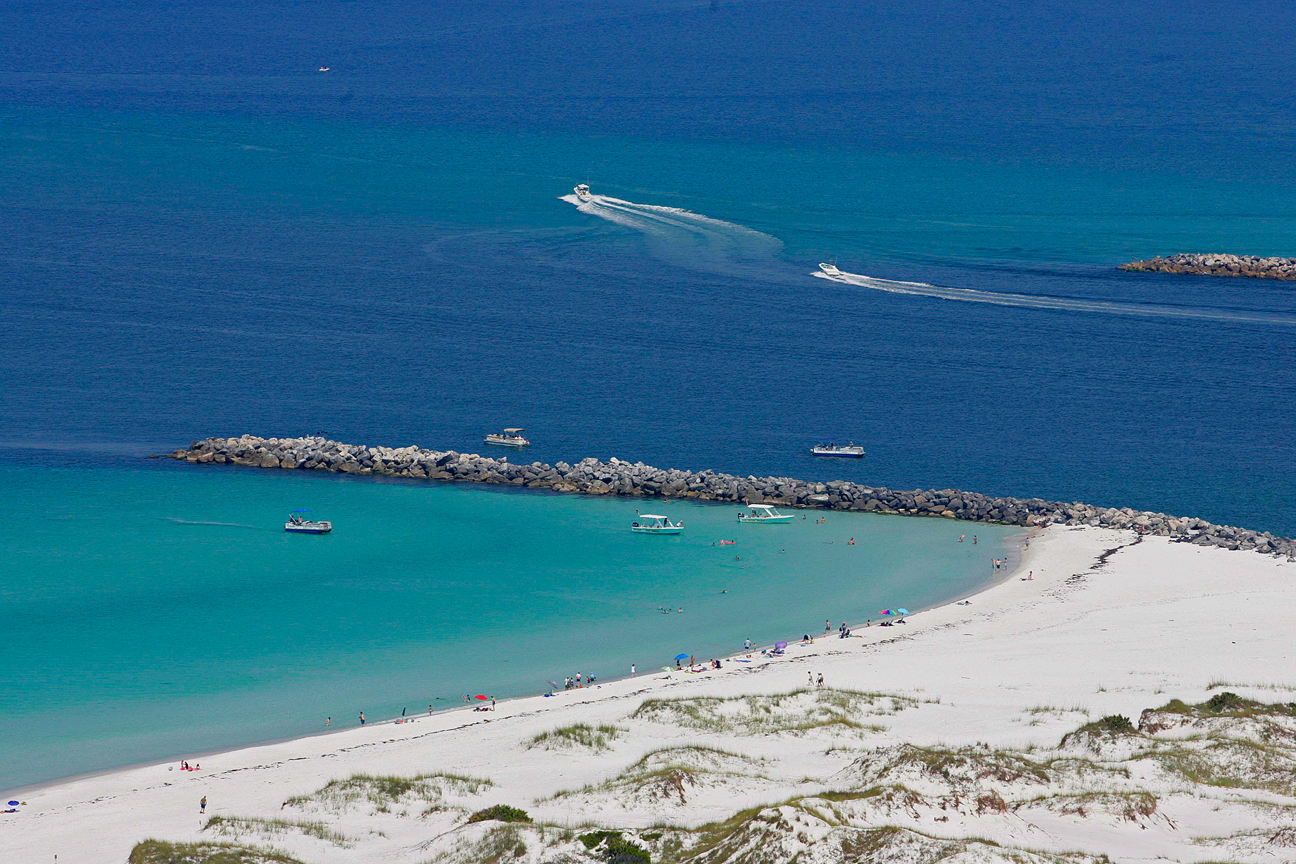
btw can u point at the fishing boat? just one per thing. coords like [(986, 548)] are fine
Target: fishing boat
[(849, 451), (582, 192), (508, 438), (830, 269), (648, 523), (298, 524), (763, 514)]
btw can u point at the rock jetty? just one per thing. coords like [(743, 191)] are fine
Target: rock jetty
[(1218, 265), (618, 477)]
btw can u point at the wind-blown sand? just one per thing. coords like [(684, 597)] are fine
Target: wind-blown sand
[(931, 741)]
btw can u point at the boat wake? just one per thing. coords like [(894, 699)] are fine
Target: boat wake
[(1067, 304), (683, 237), (179, 521)]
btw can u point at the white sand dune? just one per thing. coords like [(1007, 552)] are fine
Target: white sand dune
[(933, 741)]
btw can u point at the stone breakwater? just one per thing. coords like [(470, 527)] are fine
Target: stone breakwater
[(1218, 265), (617, 477)]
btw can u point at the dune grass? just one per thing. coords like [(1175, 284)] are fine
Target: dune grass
[(237, 826), (795, 711), (385, 791), (152, 851), (595, 738)]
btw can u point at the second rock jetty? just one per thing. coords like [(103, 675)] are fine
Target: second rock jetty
[(1215, 264), (618, 477)]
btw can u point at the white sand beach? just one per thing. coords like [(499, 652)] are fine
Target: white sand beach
[(934, 740)]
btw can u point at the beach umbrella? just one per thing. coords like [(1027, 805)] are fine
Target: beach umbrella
[(885, 612), (780, 645), (667, 669), (13, 803), (481, 697), (681, 656), (902, 611)]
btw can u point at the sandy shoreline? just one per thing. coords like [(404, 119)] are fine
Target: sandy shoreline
[(1024, 663)]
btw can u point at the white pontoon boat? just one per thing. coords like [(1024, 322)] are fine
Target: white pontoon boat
[(850, 451), (508, 438), (298, 524)]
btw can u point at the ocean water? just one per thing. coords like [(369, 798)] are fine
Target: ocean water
[(201, 234), (159, 609)]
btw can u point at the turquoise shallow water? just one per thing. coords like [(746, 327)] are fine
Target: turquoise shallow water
[(156, 611)]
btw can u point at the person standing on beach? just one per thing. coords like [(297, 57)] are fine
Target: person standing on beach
[(747, 645), (827, 626), (632, 670), (202, 805), (362, 720)]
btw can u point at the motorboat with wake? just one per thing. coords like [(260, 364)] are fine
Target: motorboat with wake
[(763, 514), (849, 451), (648, 523), (583, 193), (830, 269), (298, 524), (511, 437)]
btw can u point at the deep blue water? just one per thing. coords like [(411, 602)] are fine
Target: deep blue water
[(201, 234)]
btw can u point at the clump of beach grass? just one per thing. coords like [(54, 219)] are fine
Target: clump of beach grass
[(596, 738), (153, 851), (237, 826), (795, 711), (385, 791)]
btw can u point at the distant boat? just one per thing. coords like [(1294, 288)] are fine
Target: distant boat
[(582, 192), (763, 514), (830, 269), (850, 451), (508, 438), (296, 524), (650, 524), (324, 69)]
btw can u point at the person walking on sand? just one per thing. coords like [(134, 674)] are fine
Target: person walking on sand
[(820, 679), (811, 674), (202, 805)]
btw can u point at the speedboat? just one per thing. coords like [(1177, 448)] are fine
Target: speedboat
[(850, 451), (651, 524), (830, 269), (298, 524), (582, 192), (763, 514), (508, 438)]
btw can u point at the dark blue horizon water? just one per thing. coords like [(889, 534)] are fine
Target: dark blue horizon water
[(200, 234)]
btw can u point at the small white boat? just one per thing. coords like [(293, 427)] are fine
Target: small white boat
[(298, 524), (648, 523), (508, 438), (849, 451), (830, 269), (763, 514), (582, 192), (324, 69)]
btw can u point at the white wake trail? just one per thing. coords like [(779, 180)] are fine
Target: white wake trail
[(1067, 304), (683, 237)]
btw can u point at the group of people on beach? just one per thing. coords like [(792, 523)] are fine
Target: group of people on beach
[(570, 682)]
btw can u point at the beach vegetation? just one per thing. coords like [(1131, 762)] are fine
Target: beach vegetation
[(153, 851), (616, 848), (671, 773), (237, 826), (384, 791), (500, 813), (501, 843), (796, 711), (595, 738)]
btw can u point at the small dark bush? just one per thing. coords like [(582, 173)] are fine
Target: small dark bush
[(500, 813), (594, 838), (1223, 702), (622, 851), (1118, 724)]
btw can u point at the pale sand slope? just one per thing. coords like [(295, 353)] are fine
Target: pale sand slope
[(1027, 662)]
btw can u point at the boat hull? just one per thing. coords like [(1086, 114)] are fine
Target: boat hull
[(646, 529), (839, 454), (765, 520)]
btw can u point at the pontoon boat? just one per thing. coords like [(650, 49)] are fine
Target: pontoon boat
[(298, 524), (508, 438), (763, 514), (647, 523)]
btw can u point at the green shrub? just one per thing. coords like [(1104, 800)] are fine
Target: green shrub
[(500, 813), (1224, 702), (622, 851), (1117, 724)]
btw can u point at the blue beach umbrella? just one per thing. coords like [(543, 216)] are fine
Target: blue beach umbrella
[(902, 611), (13, 803), (682, 656)]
